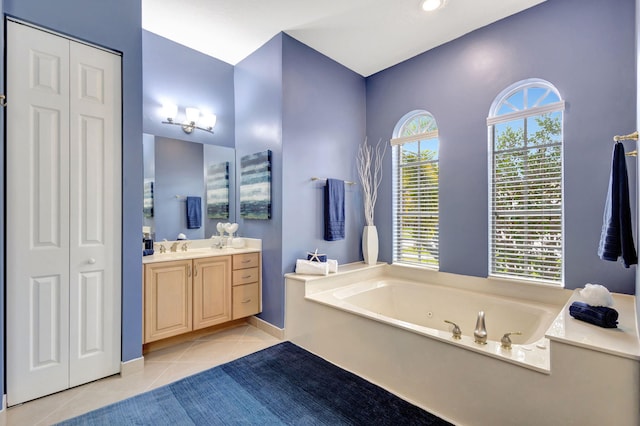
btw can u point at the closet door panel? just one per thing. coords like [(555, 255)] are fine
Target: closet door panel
[(37, 214), (63, 213), (95, 194)]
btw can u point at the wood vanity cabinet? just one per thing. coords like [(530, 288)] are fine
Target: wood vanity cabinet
[(185, 295)]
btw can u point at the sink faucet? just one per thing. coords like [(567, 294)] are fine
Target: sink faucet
[(174, 247), (218, 242), (161, 247), (184, 246), (480, 333)]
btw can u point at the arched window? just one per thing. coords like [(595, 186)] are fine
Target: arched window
[(525, 178), (415, 190)]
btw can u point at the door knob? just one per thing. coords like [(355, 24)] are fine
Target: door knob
[(91, 261)]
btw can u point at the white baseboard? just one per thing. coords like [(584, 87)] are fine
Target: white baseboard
[(268, 328), (131, 367)]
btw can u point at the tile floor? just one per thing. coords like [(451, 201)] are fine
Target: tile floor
[(160, 368)]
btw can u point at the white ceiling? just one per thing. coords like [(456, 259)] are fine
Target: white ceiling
[(366, 36)]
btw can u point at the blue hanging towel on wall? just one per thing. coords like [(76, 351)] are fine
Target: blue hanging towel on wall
[(194, 212), (616, 239), (334, 210)]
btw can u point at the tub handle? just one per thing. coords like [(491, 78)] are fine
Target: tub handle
[(457, 333), (506, 340)]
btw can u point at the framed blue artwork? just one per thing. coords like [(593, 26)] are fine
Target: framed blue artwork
[(147, 207), (218, 190), (255, 186)]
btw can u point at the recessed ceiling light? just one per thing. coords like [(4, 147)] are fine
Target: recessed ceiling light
[(431, 5)]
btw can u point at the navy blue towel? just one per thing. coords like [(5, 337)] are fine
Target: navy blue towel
[(616, 239), (334, 210), (194, 213), (597, 315), (147, 252)]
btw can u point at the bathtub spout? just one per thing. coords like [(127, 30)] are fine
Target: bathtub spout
[(480, 333)]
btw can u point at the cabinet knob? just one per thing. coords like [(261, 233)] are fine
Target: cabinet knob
[(91, 261)]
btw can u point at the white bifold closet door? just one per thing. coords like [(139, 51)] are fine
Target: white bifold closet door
[(63, 165)]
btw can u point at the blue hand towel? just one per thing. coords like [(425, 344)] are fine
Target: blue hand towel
[(597, 315), (616, 239), (194, 212), (334, 210), (147, 252)]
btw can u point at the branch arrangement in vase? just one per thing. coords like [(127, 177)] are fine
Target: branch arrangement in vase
[(369, 163)]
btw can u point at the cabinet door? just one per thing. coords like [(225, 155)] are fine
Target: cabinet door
[(211, 291), (167, 299)]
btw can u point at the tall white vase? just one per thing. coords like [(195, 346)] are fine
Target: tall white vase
[(370, 245)]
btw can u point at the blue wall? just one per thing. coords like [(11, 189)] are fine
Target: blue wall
[(187, 78), (258, 100), (586, 49), (309, 111), (115, 25), (324, 108)]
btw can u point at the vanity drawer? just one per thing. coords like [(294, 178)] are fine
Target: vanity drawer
[(245, 276), (246, 300), (247, 260)]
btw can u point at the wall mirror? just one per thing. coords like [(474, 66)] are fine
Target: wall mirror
[(176, 169)]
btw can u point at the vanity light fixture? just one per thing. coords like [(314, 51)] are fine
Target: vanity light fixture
[(192, 116), (431, 5)]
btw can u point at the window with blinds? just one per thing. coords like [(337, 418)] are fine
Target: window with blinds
[(526, 227), (415, 190)]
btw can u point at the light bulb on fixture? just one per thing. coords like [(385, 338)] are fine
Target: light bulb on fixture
[(192, 116), (209, 120), (431, 5), (169, 111)]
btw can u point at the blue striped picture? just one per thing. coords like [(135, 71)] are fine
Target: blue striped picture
[(218, 190), (255, 186)]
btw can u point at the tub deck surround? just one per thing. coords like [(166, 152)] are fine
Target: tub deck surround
[(423, 308), (199, 249), (585, 385), (622, 341)]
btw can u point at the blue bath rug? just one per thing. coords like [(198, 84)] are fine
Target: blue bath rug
[(280, 385)]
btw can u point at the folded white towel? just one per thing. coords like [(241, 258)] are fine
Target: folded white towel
[(311, 268), (596, 295), (333, 265)]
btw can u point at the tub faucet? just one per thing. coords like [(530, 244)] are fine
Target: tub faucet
[(480, 333), (457, 333), (506, 340)]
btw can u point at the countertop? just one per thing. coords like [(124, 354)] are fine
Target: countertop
[(201, 248)]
